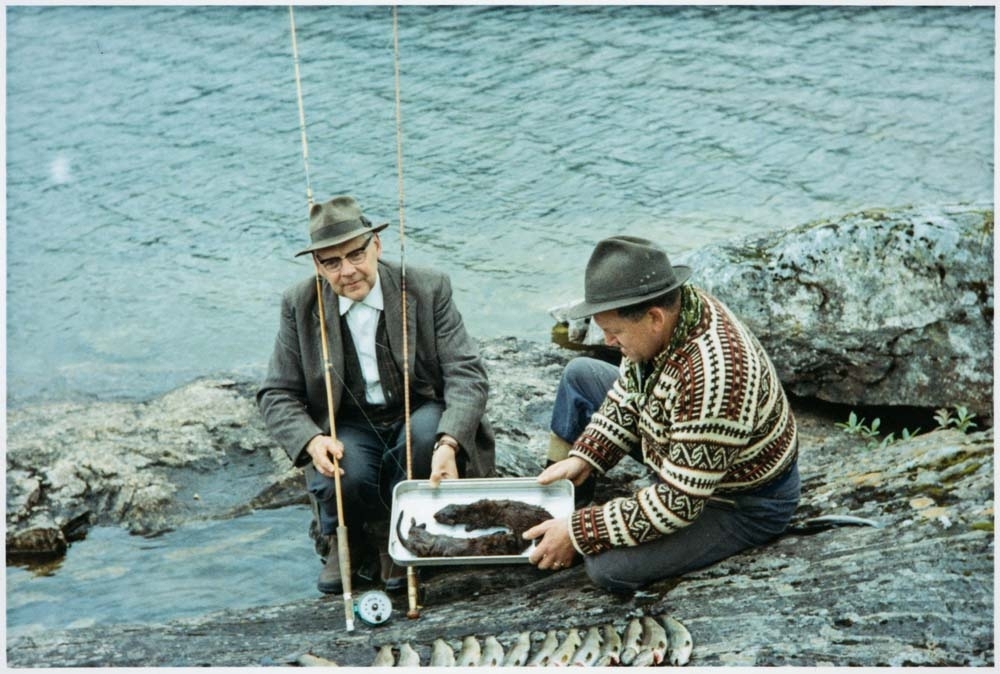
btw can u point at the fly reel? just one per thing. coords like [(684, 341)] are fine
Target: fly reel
[(373, 607)]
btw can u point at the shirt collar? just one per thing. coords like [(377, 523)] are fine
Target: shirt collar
[(373, 299)]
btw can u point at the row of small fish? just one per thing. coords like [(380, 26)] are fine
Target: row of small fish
[(645, 642)]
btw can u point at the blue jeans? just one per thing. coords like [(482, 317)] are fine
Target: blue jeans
[(584, 385), (727, 525), (374, 462)]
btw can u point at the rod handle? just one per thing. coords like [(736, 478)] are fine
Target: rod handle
[(344, 557), (411, 593)]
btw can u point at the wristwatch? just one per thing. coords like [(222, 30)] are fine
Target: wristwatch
[(445, 441)]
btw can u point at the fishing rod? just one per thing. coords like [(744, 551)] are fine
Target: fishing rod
[(343, 549), (411, 572)]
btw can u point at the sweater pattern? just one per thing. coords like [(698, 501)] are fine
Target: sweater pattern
[(712, 418)]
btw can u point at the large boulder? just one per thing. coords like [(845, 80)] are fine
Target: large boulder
[(880, 307)]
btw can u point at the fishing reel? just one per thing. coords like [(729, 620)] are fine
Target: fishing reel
[(373, 608)]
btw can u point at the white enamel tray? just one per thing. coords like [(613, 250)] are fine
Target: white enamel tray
[(417, 499)]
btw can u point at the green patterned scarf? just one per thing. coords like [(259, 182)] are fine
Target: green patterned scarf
[(690, 314)]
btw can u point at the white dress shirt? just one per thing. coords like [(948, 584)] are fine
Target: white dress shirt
[(362, 319)]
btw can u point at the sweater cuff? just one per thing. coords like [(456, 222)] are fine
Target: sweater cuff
[(588, 531), (591, 449)]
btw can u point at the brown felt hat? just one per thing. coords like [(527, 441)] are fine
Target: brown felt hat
[(338, 220), (626, 270)]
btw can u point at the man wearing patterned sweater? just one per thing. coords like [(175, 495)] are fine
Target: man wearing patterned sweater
[(696, 399)]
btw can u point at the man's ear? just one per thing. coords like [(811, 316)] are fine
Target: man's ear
[(658, 315)]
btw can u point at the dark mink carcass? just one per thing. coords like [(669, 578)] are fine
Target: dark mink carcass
[(486, 513), (422, 543)]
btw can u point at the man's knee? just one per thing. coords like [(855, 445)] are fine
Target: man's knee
[(606, 576), (578, 370), (324, 488)]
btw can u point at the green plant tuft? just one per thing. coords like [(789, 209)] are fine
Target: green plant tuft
[(963, 419), (856, 426)]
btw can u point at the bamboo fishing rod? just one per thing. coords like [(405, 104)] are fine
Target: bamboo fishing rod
[(343, 549), (411, 573)]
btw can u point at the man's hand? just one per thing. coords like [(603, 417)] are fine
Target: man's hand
[(443, 465), (322, 449), (555, 549), (572, 468)]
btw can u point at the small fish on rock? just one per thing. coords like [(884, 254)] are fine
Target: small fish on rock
[(441, 654), (470, 654), (408, 657), (384, 657), (643, 659), (492, 653), (517, 656), (611, 648), (545, 651), (589, 650), (564, 654), (679, 641), (654, 639), (631, 641)]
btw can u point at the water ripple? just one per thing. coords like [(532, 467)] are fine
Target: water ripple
[(162, 157)]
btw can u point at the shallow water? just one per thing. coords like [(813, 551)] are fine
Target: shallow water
[(156, 192), (113, 577)]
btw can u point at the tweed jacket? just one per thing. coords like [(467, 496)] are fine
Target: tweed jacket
[(711, 418), (444, 364)]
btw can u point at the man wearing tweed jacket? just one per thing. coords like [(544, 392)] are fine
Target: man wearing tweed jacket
[(696, 399), (362, 301)]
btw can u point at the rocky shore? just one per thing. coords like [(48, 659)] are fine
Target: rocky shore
[(916, 590)]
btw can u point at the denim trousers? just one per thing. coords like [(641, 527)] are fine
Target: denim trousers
[(374, 462), (728, 524)]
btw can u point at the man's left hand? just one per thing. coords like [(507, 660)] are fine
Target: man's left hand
[(443, 465), (555, 549)]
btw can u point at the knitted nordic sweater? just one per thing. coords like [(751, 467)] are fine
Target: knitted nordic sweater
[(711, 418)]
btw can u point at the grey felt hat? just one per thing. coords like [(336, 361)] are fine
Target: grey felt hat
[(626, 270), (336, 221)]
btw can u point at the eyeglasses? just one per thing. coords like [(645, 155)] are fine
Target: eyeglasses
[(355, 257)]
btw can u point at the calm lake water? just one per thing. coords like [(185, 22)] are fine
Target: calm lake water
[(156, 192)]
